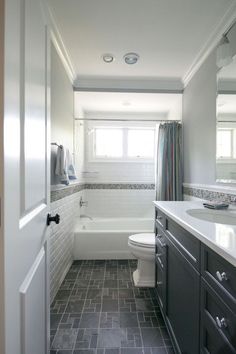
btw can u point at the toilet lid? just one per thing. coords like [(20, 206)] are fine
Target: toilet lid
[(145, 240)]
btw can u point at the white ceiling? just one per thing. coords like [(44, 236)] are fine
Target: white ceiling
[(167, 34), (98, 104)]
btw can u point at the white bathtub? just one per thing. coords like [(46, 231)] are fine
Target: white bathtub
[(107, 238)]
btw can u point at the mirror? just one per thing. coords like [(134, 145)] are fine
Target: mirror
[(226, 124)]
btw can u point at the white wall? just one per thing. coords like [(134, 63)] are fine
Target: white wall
[(119, 203), (62, 101), (199, 119)]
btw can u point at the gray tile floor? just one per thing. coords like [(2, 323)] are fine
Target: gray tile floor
[(97, 310)]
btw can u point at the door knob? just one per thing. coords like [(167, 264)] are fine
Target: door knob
[(55, 219)]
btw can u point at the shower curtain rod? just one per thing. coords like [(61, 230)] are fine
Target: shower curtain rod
[(127, 120)]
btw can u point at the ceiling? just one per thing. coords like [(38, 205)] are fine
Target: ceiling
[(167, 34), (115, 104)]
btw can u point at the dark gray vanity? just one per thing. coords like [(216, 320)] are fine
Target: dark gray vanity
[(196, 290)]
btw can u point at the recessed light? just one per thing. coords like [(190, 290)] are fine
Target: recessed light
[(108, 58), (131, 58)]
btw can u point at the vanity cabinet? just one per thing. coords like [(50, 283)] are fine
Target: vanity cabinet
[(197, 303)]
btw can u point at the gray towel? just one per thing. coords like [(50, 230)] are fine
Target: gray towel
[(64, 165)]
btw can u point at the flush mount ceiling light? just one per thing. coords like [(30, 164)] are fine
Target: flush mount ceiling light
[(131, 58), (223, 53), (108, 58)]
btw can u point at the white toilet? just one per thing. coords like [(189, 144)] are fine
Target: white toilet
[(142, 246)]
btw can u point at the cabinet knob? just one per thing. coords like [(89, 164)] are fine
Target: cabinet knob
[(221, 276), (159, 217), (55, 219), (159, 283), (221, 322)]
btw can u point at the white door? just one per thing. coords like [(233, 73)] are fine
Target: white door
[(26, 178)]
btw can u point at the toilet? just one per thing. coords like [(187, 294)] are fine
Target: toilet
[(142, 246)]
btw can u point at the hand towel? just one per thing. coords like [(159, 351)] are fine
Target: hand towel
[(64, 165)]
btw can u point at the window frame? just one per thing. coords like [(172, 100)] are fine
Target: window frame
[(231, 157), (91, 144)]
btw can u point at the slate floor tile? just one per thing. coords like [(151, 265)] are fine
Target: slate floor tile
[(74, 306), (64, 339), (63, 295), (131, 351), (85, 351), (109, 305), (128, 319), (89, 320), (55, 320), (98, 310), (110, 283), (111, 338), (152, 337)]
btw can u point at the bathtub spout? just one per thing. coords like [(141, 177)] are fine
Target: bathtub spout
[(86, 216)]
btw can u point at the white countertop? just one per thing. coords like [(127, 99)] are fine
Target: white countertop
[(219, 237)]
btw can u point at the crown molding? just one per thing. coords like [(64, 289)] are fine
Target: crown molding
[(211, 43), (115, 84), (59, 44)]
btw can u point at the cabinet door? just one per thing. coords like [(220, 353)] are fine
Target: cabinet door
[(182, 307)]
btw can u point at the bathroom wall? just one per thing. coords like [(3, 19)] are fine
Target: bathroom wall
[(199, 119), (62, 239), (119, 202), (62, 101), (64, 199)]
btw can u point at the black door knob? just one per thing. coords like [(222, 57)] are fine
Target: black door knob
[(55, 219)]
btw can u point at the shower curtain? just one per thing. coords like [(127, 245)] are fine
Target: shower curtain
[(169, 172)]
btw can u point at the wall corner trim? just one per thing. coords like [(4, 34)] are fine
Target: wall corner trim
[(211, 43)]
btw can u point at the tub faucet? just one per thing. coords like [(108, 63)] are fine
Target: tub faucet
[(82, 203), (86, 216)]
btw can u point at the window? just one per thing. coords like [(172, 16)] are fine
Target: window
[(225, 143), (122, 144), (108, 143), (141, 143)]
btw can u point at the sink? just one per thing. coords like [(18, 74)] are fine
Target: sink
[(214, 216)]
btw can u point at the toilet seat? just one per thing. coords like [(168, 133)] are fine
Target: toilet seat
[(145, 240)]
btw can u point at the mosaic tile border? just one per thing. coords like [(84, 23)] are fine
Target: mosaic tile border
[(209, 195), (65, 192), (69, 190), (147, 186)]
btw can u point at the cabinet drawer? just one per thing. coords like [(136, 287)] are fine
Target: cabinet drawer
[(160, 219), (219, 317), (187, 244), (220, 274), (211, 341)]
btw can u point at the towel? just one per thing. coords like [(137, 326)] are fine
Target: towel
[(215, 205), (64, 165)]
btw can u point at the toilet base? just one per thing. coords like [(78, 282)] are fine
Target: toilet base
[(144, 275)]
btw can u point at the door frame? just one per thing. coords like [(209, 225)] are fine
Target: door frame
[(2, 314)]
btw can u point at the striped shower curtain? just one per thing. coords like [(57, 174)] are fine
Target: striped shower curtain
[(169, 173)]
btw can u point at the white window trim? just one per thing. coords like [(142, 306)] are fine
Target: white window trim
[(231, 157), (125, 158)]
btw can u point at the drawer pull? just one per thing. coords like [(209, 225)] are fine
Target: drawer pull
[(221, 322), (221, 276), (159, 283), (159, 240)]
